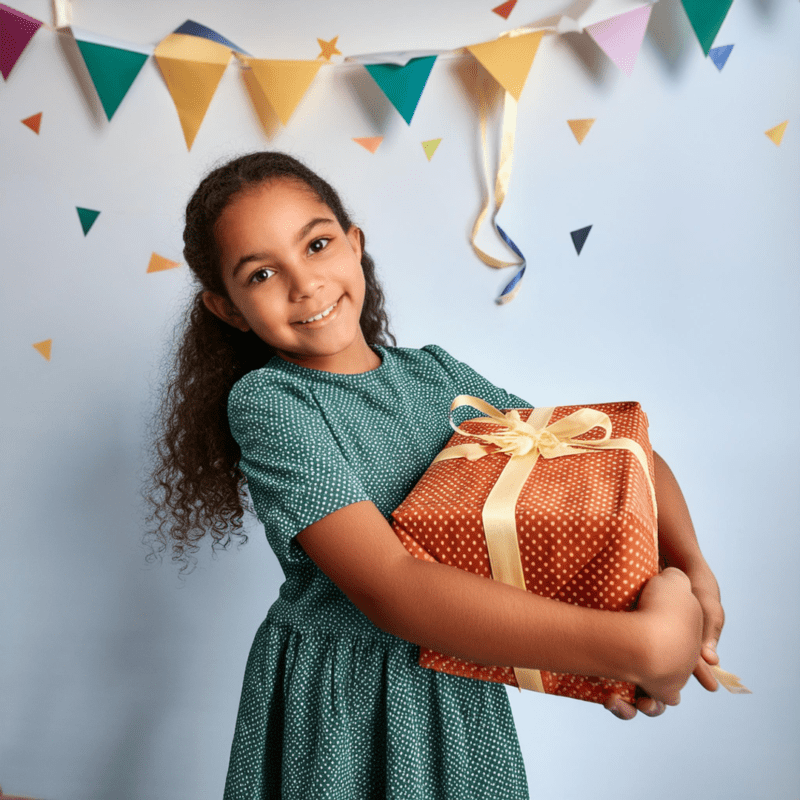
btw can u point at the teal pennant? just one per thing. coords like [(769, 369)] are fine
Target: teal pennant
[(112, 71), (706, 17), (403, 85)]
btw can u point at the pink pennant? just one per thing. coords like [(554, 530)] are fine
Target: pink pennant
[(16, 30), (620, 37)]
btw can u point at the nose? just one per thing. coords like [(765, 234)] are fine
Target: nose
[(305, 280)]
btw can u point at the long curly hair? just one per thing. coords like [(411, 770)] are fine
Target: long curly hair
[(196, 487)]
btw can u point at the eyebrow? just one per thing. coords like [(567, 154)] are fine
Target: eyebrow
[(302, 233)]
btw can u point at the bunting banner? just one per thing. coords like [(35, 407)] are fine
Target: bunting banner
[(193, 58)]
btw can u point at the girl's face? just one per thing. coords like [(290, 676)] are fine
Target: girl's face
[(293, 277)]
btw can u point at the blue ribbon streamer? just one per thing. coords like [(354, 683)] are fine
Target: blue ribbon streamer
[(512, 287)]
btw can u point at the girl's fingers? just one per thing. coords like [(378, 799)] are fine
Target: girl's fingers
[(705, 677), (619, 708), (650, 707)]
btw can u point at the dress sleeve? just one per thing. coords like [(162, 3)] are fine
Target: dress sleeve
[(468, 381), (295, 471)]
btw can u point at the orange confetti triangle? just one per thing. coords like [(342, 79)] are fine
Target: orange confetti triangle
[(505, 9), (33, 122), (370, 142), (159, 263), (44, 347), (776, 133), (580, 127)]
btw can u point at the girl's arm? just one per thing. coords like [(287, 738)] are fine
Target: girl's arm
[(488, 622), (679, 548)]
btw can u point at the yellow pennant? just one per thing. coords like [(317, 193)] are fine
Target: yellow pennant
[(159, 263), (776, 133), (192, 68), (44, 347), (508, 59), (282, 83), (580, 127)]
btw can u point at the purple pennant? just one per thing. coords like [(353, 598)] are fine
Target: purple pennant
[(16, 30)]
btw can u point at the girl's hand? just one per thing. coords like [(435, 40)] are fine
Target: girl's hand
[(706, 590), (672, 620)]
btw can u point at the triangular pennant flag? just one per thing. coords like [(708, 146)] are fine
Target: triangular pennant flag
[(44, 347), (283, 83), (620, 37), (159, 263), (505, 9), (33, 122), (16, 30), (579, 238), (580, 127), (508, 59), (369, 142), (192, 68), (112, 70), (430, 147), (706, 17), (403, 85), (776, 133), (719, 55), (87, 217), (192, 28)]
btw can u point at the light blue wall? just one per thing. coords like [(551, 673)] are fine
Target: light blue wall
[(116, 680)]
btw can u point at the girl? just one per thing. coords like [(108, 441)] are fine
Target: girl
[(286, 380)]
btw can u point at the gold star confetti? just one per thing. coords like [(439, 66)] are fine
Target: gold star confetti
[(328, 48)]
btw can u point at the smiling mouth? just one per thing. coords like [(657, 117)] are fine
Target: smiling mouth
[(319, 316)]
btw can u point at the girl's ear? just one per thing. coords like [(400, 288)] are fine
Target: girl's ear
[(356, 236), (223, 308)]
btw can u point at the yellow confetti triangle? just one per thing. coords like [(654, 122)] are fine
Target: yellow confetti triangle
[(44, 347), (509, 59), (159, 263), (283, 83), (328, 48), (369, 142), (580, 127), (430, 147), (776, 133)]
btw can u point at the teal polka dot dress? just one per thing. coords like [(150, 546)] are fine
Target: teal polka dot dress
[(332, 707)]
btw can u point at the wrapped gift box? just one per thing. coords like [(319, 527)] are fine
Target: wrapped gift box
[(584, 523)]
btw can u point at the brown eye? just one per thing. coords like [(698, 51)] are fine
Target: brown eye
[(318, 244), (261, 275)]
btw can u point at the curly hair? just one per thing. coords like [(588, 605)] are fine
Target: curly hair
[(196, 487)]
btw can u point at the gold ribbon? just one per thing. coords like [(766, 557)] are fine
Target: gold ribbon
[(525, 442)]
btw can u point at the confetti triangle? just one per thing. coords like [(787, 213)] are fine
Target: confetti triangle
[(192, 67), (505, 9), (403, 85), (283, 83), (430, 147), (159, 263), (719, 55), (33, 122), (580, 127), (196, 29), (112, 70), (44, 347), (328, 48), (87, 218), (369, 142), (776, 133), (579, 238), (509, 59), (16, 30), (706, 17), (620, 37)]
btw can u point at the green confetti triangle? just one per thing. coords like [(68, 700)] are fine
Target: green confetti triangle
[(403, 85), (87, 217), (112, 71), (706, 17)]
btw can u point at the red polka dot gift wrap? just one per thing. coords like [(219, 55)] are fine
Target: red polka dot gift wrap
[(585, 524)]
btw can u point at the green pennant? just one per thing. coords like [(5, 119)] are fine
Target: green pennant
[(87, 217), (112, 70), (403, 85), (706, 17)]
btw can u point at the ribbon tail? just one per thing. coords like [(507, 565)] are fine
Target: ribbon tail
[(730, 681)]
